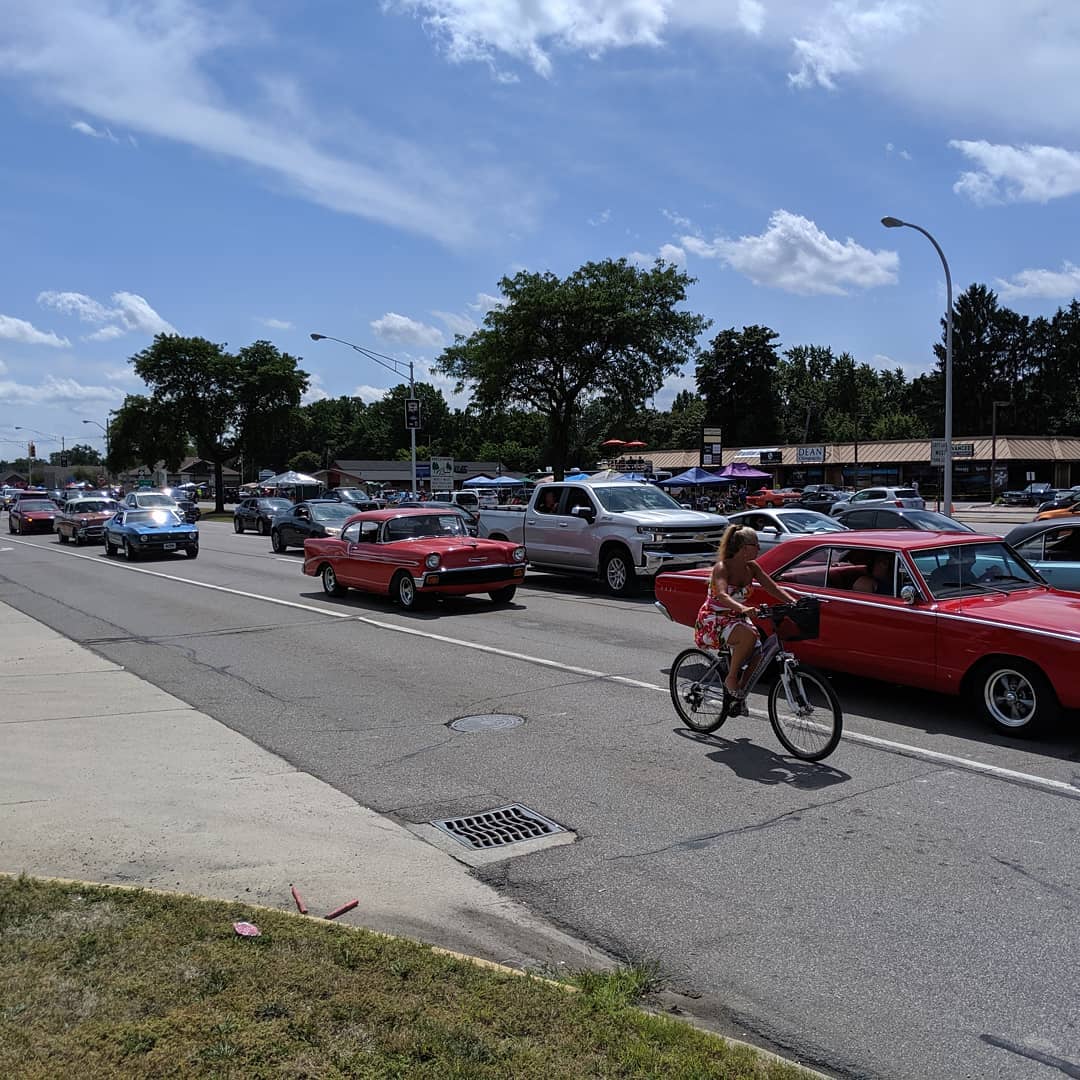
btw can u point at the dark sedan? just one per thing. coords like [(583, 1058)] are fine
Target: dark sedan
[(470, 520), (884, 517), (258, 513), (356, 497), (307, 521), (188, 510), (32, 515)]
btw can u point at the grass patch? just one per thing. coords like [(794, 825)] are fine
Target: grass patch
[(212, 516), (96, 982)]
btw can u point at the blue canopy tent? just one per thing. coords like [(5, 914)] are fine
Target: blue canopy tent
[(694, 477), (577, 477)]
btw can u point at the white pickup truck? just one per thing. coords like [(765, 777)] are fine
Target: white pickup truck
[(619, 531)]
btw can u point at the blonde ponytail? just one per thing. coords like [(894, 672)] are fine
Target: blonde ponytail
[(733, 539)]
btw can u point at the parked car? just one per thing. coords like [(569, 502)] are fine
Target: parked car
[(145, 531), (1032, 495), (819, 497), (768, 497), (1053, 548), (308, 520), (30, 515), (1061, 505), (962, 614), (773, 526), (356, 497), (888, 517), (82, 521), (471, 519), (149, 500), (466, 498), (882, 496), (258, 512), (188, 510), (413, 555)]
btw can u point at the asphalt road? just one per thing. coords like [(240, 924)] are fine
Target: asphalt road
[(905, 910)]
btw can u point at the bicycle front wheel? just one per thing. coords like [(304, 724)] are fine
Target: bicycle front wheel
[(697, 689), (810, 724)]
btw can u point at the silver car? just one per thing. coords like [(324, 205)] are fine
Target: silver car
[(773, 526), (882, 496)]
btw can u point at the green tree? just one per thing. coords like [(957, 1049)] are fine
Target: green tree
[(79, 454), (736, 377), (608, 330), (143, 432), (223, 401), (307, 461)]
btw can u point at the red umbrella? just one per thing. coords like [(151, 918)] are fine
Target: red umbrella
[(614, 442), (635, 445)]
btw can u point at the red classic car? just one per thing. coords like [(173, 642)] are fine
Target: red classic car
[(764, 497), (32, 515), (959, 614), (413, 555)]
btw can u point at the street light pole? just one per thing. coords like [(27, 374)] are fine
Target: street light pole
[(896, 223), (993, 444), (104, 427), (391, 364)]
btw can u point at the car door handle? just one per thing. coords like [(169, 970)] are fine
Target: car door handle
[(564, 525)]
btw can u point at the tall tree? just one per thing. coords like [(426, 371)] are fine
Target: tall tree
[(143, 432), (608, 330), (736, 377)]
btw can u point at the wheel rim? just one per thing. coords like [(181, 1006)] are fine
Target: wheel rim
[(262, 527), (808, 729), (329, 580), (616, 574), (699, 704), (1010, 698), (275, 542), (406, 591)]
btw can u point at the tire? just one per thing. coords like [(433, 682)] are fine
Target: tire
[(192, 552), (1015, 697), (62, 537), (330, 582), (617, 572), (10, 524), (264, 527), (813, 735), (237, 525), (701, 708), (277, 543), (503, 595), (403, 590), (110, 551), (129, 552)]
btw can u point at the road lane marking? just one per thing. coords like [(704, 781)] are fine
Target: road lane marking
[(997, 772)]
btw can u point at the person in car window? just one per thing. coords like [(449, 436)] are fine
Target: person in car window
[(878, 576), (960, 570), (549, 502), (724, 618)]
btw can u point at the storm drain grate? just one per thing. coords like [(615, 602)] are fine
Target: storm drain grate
[(498, 828)]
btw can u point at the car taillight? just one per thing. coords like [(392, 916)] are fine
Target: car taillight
[(900, 502)]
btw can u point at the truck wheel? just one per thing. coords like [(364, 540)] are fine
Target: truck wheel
[(617, 573)]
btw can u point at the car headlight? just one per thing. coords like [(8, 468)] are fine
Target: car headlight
[(330, 531), (519, 554), (647, 533), (143, 539), (432, 561)]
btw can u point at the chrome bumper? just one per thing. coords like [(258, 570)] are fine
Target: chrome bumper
[(655, 562), (659, 605)]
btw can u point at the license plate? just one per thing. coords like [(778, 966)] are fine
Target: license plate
[(169, 547)]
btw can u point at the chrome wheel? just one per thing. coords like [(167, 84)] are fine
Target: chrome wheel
[(1010, 698), (330, 582), (617, 575)]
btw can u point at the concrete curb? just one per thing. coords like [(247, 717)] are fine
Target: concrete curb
[(478, 961)]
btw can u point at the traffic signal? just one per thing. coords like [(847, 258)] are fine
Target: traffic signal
[(33, 450), (63, 461)]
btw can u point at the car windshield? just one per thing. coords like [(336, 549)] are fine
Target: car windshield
[(812, 523), (153, 517), (36, 504), (355, 494), (91, 506), (629, 497), (331, 511), (274, 504), (931, 521), (417, 526), (155, 500), (989, 566)]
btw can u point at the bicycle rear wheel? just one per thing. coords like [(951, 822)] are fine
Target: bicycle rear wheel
[(697, 690), (812, 729)]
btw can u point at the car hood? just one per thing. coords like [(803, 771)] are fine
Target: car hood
[(150, 529), (1048, 610), (39, 513), (661, 518), (90, 517)]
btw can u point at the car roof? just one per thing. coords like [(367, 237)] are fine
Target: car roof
[(1021, 532), (901, 539), (395, 512)]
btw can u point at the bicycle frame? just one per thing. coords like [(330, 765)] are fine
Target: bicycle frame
[(771, 649)]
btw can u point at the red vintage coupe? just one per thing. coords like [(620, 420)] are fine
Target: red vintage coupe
[(414, 555), (959, 614)]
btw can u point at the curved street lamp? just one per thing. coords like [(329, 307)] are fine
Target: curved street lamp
[(398, 367), (896, 223), (104, 427)]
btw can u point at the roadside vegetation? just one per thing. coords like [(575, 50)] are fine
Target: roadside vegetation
[(99, 982)]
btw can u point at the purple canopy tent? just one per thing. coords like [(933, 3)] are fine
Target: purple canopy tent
[(739, 470)]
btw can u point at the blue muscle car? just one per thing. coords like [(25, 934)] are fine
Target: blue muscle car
[(136, 532)]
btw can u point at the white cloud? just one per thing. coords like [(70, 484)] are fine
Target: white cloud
[(891, 149), (315, 391), (680, 222), (20, 330), (154, 67), (56, 391), (402, 330), (673, 386), (367, 394), (793, 254), (484, 302), (3, 367), (1017, 173), (670, 253), (1063, 284), (601, 219), (83, 128), (277, 324), (456, 324), (751, 16), (130, 312), (121, 374)]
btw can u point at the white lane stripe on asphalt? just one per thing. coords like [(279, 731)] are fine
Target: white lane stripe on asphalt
[(1056, 787)]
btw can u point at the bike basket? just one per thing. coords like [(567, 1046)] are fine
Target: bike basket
[(802, 621)]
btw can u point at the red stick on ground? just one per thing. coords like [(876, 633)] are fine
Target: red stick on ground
[(341, 910), (300, 905)]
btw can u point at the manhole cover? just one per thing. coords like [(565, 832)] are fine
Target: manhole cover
[(499, 827), (486, 722)]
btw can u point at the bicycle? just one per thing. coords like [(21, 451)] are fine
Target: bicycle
[(804, 710)]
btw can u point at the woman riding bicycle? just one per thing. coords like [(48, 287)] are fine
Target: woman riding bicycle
[(724, 618)]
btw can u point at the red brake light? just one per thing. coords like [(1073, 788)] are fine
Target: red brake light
[(900, 502)]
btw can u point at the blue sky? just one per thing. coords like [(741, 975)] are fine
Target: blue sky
[(260, 168)]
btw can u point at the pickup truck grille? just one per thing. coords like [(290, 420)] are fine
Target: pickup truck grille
[(686, 540)]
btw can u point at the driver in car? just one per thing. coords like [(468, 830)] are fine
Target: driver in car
[(960, 570)]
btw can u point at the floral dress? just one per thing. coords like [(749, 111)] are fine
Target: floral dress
[(715, 622)]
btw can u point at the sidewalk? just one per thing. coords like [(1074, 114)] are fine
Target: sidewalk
[(107, 778)]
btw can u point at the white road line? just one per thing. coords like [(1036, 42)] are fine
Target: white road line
[(1056, 787)]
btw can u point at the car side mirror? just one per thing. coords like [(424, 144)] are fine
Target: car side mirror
[(586, 512), (909, 594), (774, 529)]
